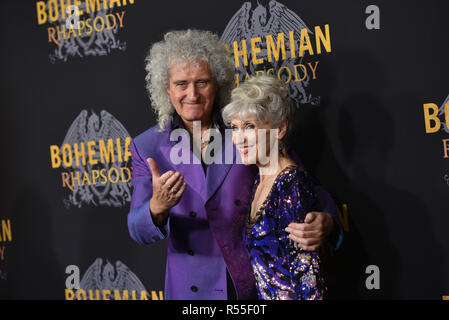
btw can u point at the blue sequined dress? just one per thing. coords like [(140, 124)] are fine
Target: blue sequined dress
[(282, 270)]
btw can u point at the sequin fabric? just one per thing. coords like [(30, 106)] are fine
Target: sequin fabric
[(282, 270)]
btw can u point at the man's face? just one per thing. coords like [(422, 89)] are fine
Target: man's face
[(192, 91)]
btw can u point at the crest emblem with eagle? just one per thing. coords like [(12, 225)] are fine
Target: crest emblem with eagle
[(93, 128), (93, 44), (258, 20), (106, 276)]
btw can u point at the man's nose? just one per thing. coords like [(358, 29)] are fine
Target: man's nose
[(192, 92)]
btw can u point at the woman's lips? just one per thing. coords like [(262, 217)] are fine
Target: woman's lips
[(244, 149)]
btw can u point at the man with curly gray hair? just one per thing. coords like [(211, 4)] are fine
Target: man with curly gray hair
[(201, 207), (178, 49)]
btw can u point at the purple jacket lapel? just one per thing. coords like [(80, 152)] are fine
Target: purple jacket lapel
[(193, 173), (218, 169)]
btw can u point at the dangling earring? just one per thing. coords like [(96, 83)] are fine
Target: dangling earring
[(281, 148)]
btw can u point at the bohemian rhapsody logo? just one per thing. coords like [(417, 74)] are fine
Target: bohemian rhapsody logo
[(82, 28), (272, 39), (433, 119), (96, 158)]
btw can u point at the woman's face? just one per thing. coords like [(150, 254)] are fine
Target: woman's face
[(252, 139)]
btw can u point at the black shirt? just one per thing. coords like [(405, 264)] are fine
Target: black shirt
[(177, 123)]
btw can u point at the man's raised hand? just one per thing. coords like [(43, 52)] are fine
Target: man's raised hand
[(167, 191)]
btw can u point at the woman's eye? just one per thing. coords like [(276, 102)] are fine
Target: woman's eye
[(250, 126)]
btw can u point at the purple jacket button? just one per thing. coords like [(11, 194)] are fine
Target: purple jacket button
[(194, 289)]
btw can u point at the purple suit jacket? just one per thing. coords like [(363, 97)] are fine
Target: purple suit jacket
[(205, 229)]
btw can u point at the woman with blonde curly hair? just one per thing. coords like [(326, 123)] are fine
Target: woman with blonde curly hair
[(259, 115)]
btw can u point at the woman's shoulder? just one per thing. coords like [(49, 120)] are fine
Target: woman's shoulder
[(294, 190), (293, 178), (291, 173)]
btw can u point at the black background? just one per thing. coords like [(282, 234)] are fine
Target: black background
[(366, 143)]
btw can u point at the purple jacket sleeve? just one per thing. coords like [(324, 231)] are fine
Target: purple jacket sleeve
[(327, 204), (140, 223)]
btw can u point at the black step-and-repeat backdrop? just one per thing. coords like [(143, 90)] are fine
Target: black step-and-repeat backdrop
[(370, 82)]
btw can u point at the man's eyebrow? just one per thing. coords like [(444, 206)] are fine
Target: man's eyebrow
[(198, 80), (204, 80)]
